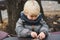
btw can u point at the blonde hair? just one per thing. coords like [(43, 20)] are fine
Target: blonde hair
[(32, 7)]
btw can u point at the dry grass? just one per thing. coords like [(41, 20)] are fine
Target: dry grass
[(4, 24), (51, 13)]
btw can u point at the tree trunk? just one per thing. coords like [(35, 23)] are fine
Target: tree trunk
[(0, 17), (12, 15)]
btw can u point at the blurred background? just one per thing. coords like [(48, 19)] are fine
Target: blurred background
[(10, 9)]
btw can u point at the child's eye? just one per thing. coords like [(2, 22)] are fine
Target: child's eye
[(33, 16)]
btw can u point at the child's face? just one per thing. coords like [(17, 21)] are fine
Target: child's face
[(30, 17)]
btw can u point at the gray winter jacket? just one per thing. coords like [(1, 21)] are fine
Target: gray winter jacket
[(26, 29)]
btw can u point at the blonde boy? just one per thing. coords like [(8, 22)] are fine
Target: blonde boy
[(31, 23)]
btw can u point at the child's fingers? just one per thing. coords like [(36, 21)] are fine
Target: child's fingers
[(40, 37), (34, 35)]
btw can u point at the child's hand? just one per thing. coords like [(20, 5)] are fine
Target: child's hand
[(34, 34), (41, 35)]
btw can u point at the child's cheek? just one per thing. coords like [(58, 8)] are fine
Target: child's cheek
[(29, 17)]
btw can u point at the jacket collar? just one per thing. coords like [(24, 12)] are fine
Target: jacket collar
[(30, 21)]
